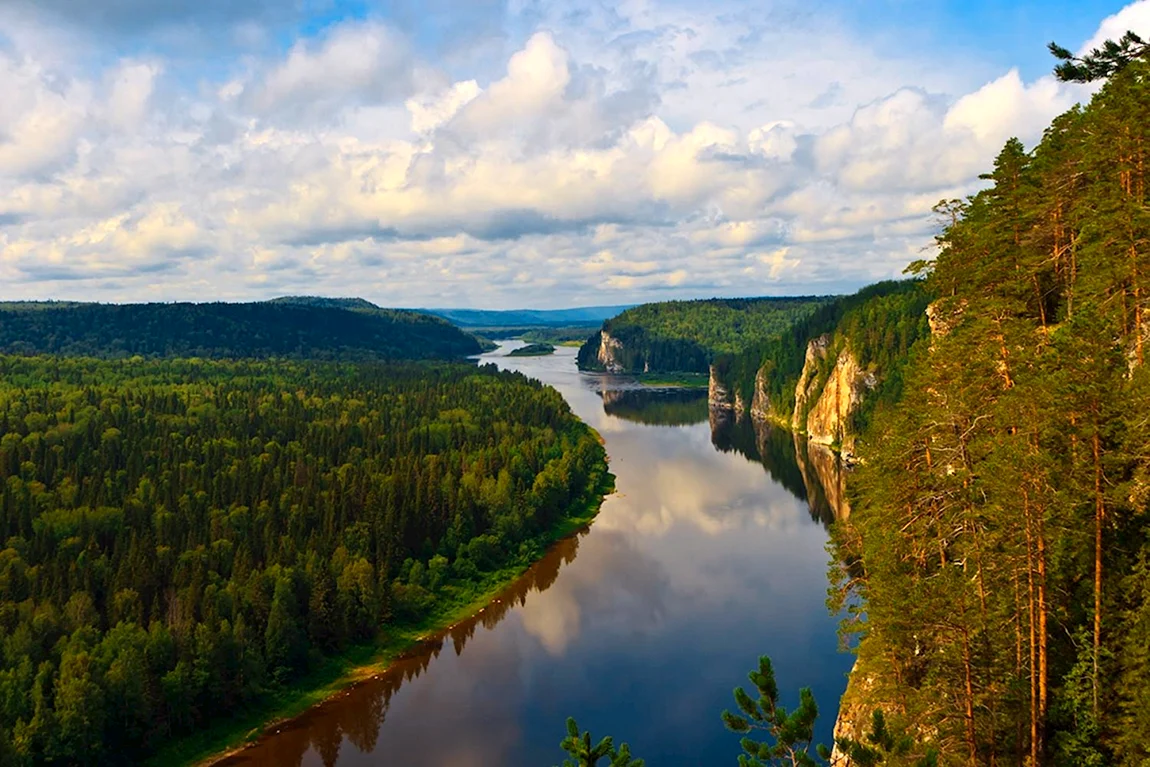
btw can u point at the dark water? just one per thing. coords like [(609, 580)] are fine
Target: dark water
[(708, 556)]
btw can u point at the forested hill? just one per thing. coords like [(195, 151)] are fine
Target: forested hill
[(297, 328), (876, 326), (528, 318), (181, 540), (684, 336), (1000, 534)]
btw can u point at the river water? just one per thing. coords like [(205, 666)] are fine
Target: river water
[(708, 555)]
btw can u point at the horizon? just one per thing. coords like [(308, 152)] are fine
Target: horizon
[(466, 157)]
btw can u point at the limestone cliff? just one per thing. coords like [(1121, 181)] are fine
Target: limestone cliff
[(855, 715), (761, 401), (608, 354), (829, 421), (808, 379), (719, 397)]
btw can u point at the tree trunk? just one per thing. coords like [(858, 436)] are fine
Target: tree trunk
[(1099, 518)]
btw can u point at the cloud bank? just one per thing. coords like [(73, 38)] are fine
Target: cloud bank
[(581, 155)]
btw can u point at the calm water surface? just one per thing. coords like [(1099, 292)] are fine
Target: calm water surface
[(708, 555)]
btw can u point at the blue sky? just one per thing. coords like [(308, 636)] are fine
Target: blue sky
[(504, 152)]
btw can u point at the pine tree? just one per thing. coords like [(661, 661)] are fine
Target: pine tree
[(790, 733)]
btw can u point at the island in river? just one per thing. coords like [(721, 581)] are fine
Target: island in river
[(532, 350)]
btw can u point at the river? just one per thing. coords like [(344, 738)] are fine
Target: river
[(707, 556)]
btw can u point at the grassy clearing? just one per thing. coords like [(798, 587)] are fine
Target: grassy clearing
[(681, 380), (335, 673)]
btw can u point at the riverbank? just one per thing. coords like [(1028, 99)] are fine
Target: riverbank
[(674, 380), (336, 673)]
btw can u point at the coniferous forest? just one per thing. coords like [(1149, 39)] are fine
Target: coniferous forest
[(1000, 540), (685, 336), (183, 538), (297, 327), (995, 567)]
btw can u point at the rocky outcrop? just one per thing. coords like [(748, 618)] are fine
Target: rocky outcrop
[(828, 422), (761, 400), (943, 317), (855, 717), (608, 354), (808, 379), (719, 397)]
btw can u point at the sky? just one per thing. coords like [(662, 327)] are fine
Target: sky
[(506, 153)]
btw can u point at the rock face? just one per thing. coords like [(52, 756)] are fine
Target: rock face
[(761, 401), (941, 319), (854, 718), (828, 422), (608, 355), (808, 379), (719, 397)]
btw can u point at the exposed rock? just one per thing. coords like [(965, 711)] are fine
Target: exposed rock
[(719, 397), (761, 401), (828, 422), (740, 406), (609, 348), (943, 317), (854, 717), (808, 379)]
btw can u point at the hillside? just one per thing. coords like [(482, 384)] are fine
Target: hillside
[(588, 316), (685, 336), (1000, 539), (187, 539), (298, 328), (827, 374)]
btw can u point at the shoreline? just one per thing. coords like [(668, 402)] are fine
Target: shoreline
[(357, 665)]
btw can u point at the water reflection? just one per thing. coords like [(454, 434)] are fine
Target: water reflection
[(813, 472), (660, 407), (640, 627)]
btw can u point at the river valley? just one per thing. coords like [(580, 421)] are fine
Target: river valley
[(707, 556)]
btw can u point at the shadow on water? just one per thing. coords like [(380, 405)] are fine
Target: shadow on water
[(813, 473), (357, 714), (657, 407)]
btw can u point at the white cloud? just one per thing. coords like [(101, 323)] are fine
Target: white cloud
[(650, 150), (354, 63)]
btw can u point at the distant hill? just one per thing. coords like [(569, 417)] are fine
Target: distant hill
[(685, 336), (325, 302), (290, 327), (589, 316)]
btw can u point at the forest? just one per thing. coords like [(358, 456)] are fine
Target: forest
[(879, 324), (995, 569), (296, 327), (183, 538), (1000, 547), (685, 336)]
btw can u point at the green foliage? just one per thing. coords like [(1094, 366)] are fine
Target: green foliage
[(790, 733), (294, 327), (685, 336), (999, 528), (1100, 63), (880, 324), (182, 539), (882, 746), (583, 754), (533, 350), (567, 335)]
